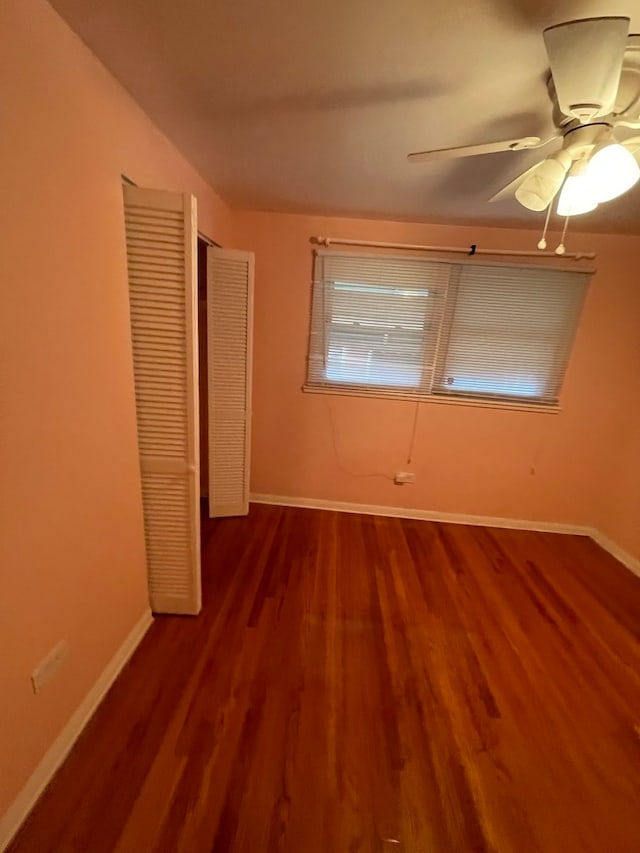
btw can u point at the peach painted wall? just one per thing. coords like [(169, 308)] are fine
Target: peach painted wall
[(479, 461), (71, 529), (620, 512), (619, 509)]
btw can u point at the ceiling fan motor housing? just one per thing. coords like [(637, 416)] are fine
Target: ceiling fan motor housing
[(586, 62)]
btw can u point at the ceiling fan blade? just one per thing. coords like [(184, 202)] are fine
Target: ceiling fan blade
[(471, 150), (623, 122), (510, 189), (585, 58), (633, 145)]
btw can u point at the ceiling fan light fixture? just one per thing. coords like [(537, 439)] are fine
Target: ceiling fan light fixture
[(538, 190), (612, 170), (576, 196)]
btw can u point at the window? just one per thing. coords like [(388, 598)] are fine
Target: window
[(413, 327)]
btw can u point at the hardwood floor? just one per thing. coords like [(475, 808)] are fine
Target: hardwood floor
[(370, 684)]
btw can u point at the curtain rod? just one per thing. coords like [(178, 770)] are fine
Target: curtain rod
[(472, 250)]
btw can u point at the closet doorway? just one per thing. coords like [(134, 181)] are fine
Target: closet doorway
[(193, 433)]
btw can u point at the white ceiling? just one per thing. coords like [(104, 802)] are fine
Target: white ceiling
[(298, 105)]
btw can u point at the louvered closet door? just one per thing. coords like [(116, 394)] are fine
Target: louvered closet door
[(229, 345), (161, 255)]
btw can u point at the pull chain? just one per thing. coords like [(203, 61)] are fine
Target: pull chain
[(543, 240), (561, 249)]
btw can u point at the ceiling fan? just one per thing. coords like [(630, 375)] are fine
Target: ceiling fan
[(594, 162)]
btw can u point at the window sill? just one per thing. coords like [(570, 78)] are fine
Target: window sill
[(474, 402)]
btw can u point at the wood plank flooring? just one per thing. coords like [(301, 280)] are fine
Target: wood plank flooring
[(370, 684)]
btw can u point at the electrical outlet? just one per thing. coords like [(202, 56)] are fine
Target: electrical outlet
[(401, 478), (48, 667)]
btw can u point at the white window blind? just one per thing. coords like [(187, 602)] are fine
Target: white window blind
[(407, 326)]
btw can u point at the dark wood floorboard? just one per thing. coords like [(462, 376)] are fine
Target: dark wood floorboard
[(357, 683)]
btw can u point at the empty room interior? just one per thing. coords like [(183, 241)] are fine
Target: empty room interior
[(320, 426)]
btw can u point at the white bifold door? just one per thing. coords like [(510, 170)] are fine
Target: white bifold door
[(161, 235), (229, 347)]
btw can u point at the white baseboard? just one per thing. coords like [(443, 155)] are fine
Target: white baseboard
[(11, 822), (628, 560), (425, 515), (622, 556)]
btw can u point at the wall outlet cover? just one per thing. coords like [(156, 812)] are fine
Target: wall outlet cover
[(401, 478)]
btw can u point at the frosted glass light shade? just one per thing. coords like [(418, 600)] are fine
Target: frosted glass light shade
[(577, 196), (538, 189), (612, 171)]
